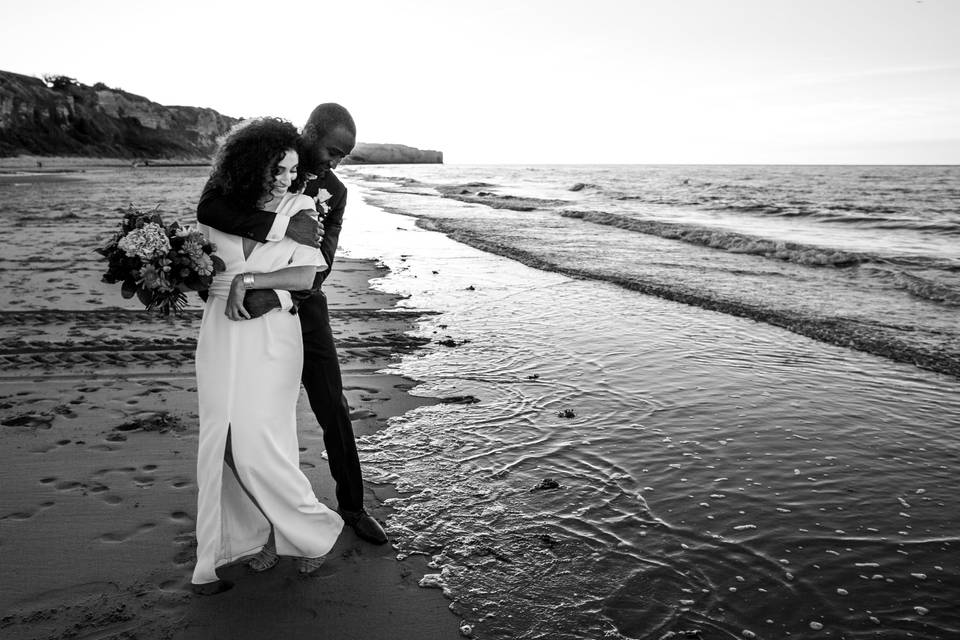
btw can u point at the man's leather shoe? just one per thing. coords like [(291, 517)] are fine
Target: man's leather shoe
[(365, 526), (211, 588)]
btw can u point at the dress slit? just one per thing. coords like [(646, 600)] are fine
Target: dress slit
[(229, 461)]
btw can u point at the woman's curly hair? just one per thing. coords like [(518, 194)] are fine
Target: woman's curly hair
[(246, 161)]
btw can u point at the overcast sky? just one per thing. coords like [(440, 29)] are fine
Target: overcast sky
[(539, 81)]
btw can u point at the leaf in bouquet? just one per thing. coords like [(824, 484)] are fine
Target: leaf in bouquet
[(129, 220), (128, 289), (146, 297), (219, 265)]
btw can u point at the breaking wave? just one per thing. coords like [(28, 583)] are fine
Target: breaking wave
[(729, 240)]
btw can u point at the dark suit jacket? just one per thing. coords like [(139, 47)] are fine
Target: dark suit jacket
[(225, 214)]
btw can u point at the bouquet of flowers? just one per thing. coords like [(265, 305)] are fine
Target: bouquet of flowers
[(158, 263)]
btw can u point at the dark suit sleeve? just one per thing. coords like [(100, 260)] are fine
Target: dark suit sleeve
[(225, 214), (332, 223)]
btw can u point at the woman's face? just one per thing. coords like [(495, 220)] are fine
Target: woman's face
[(284, 173)]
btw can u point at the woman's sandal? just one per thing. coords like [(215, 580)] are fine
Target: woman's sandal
[(309, 566), (266, 558)]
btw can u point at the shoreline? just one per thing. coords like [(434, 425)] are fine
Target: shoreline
[(99, 499), (34, 164), (78, 164)]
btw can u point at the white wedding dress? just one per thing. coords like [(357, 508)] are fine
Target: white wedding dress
[(248, 382)]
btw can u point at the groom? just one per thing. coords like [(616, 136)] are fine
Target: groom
[(328, 136)]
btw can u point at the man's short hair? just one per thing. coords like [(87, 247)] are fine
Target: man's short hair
[(325, 118)]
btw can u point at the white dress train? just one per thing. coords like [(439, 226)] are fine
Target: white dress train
[(248, 382)]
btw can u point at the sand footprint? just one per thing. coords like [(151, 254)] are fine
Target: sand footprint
[(18, 516), (181, 517), (65, 411), (142, 481), (101, 447), (113, 538), (175, 586), (29, 421), (187, 548), (69, 485), (324, 571), (104, 472), (50, 447), (181, 483)]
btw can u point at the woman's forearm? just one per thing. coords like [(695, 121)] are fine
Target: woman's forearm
[(289, 279)]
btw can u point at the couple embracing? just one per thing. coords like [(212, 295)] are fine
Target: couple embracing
[(266, 328)]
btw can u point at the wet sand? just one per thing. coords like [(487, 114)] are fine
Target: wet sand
[(98, 410)]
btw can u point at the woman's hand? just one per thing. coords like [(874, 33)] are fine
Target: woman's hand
[(235, 310)]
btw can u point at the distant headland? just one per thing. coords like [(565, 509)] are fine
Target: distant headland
[(58, 116)]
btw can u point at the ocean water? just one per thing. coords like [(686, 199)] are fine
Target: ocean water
[(676, 402), (867, 257), (654, 423)]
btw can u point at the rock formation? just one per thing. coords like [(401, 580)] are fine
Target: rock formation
[(372, 153), (58, 116)]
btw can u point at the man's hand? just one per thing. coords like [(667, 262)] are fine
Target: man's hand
[(259, 301), (303, 228)]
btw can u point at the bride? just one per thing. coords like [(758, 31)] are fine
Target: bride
[(254, 503)]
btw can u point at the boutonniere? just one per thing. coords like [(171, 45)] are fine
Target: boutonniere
[(321, 199)]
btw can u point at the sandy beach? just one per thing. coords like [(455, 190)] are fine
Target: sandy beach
[(99, 426), (597, 463)]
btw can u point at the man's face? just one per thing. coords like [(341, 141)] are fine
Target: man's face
[(331, 149)]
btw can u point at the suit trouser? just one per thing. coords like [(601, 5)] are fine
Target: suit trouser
[(324, 385)]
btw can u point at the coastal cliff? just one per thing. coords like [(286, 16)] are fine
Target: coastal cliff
[(373, 153), (58, 116)]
